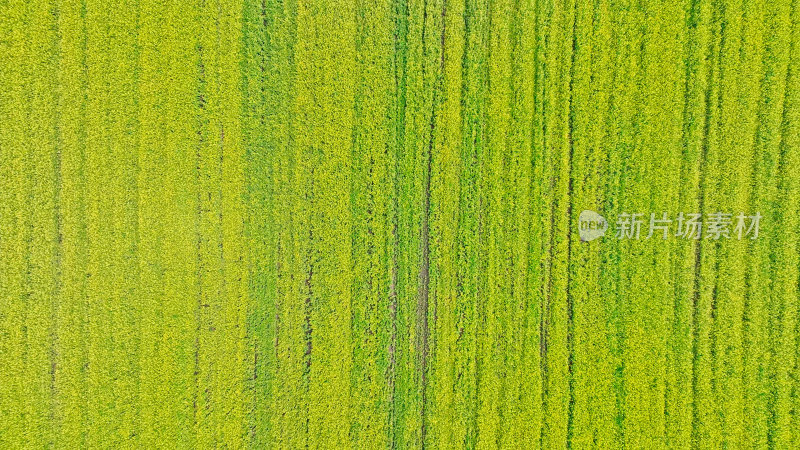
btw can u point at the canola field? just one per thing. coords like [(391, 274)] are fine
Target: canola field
[(356, 224)]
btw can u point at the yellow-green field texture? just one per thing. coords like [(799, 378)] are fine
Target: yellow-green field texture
[(354, 224)]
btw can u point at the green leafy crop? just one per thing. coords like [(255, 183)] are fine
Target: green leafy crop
[(355, 224)]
